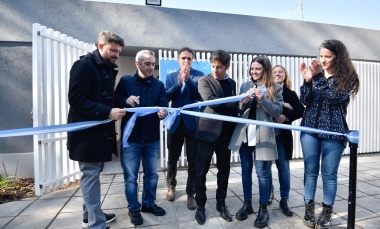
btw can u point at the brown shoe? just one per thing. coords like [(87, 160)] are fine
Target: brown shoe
[(191, 204), (171, 194)]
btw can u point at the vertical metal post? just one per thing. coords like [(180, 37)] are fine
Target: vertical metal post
[(352, 185)]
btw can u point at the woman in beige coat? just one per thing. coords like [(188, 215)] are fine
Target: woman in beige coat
[(257, 143)]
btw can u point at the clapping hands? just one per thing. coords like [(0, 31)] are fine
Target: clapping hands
[(309, 72), (184, 75)]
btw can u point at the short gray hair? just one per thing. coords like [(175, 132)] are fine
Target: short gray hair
[(140, 55), (106, 37)]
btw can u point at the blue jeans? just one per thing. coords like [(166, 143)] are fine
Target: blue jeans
[(283, 169), (130, 162), (329, 152), (90, 187), (262, 172)]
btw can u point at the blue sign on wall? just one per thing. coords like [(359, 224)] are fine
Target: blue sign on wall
[(169, 66)]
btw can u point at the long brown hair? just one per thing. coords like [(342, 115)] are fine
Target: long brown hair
[(267, 79), (344, 70)]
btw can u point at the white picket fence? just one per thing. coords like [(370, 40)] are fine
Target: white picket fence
[(54, 53)]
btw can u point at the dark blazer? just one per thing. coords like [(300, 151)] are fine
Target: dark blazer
[(297, 112), (91, 97), (179, 99), (152, 93), (209, 88)]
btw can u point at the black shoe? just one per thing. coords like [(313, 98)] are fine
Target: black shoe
[(171, 194), (109, 218), (244, 211), (324, 219), (309, 218), (200, 215), (226, 215), (136, 218), (263, 217), (155, 210), (270, 198), (191, 204), (285, 207)]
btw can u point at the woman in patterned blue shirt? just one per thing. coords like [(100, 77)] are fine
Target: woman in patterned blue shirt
[(326, 95)]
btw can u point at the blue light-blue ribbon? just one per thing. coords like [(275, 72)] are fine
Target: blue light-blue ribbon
[(169, 120), (352, 136), (138, 112), (173, 112), (51, 129)]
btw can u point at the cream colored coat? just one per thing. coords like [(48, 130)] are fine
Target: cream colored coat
[(266, 149)]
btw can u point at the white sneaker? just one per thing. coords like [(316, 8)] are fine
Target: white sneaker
[(109, 218)]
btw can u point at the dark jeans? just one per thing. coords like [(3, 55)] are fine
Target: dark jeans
[(175, 143), (283, 168), (223, 157)]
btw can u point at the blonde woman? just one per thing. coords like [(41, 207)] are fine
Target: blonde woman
[(292, 110)]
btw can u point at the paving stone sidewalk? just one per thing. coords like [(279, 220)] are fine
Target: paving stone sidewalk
[(62, 209)]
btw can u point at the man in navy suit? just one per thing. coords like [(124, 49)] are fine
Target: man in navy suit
[(182, 89)]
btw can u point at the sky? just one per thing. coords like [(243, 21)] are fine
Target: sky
[(352, 13)]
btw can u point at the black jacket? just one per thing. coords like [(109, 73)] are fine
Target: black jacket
[(290, 97), (91, 97)]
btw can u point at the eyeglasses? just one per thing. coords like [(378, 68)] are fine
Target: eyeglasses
[(278, 71)]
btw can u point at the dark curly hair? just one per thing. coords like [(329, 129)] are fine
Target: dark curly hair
[(222, 56), (344, 70)]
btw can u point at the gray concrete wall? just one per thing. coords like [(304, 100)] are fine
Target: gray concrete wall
[(15, 96), (173, 28), (149, 27)]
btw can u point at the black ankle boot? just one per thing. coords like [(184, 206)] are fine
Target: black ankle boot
[(309, 218), (263, 217), (200, 215), (324, 219), (244, 211), (285, 208)]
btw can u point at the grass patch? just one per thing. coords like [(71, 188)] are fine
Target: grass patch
[(15, 188)]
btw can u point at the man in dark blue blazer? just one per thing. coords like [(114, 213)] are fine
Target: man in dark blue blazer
[(182, 89)]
